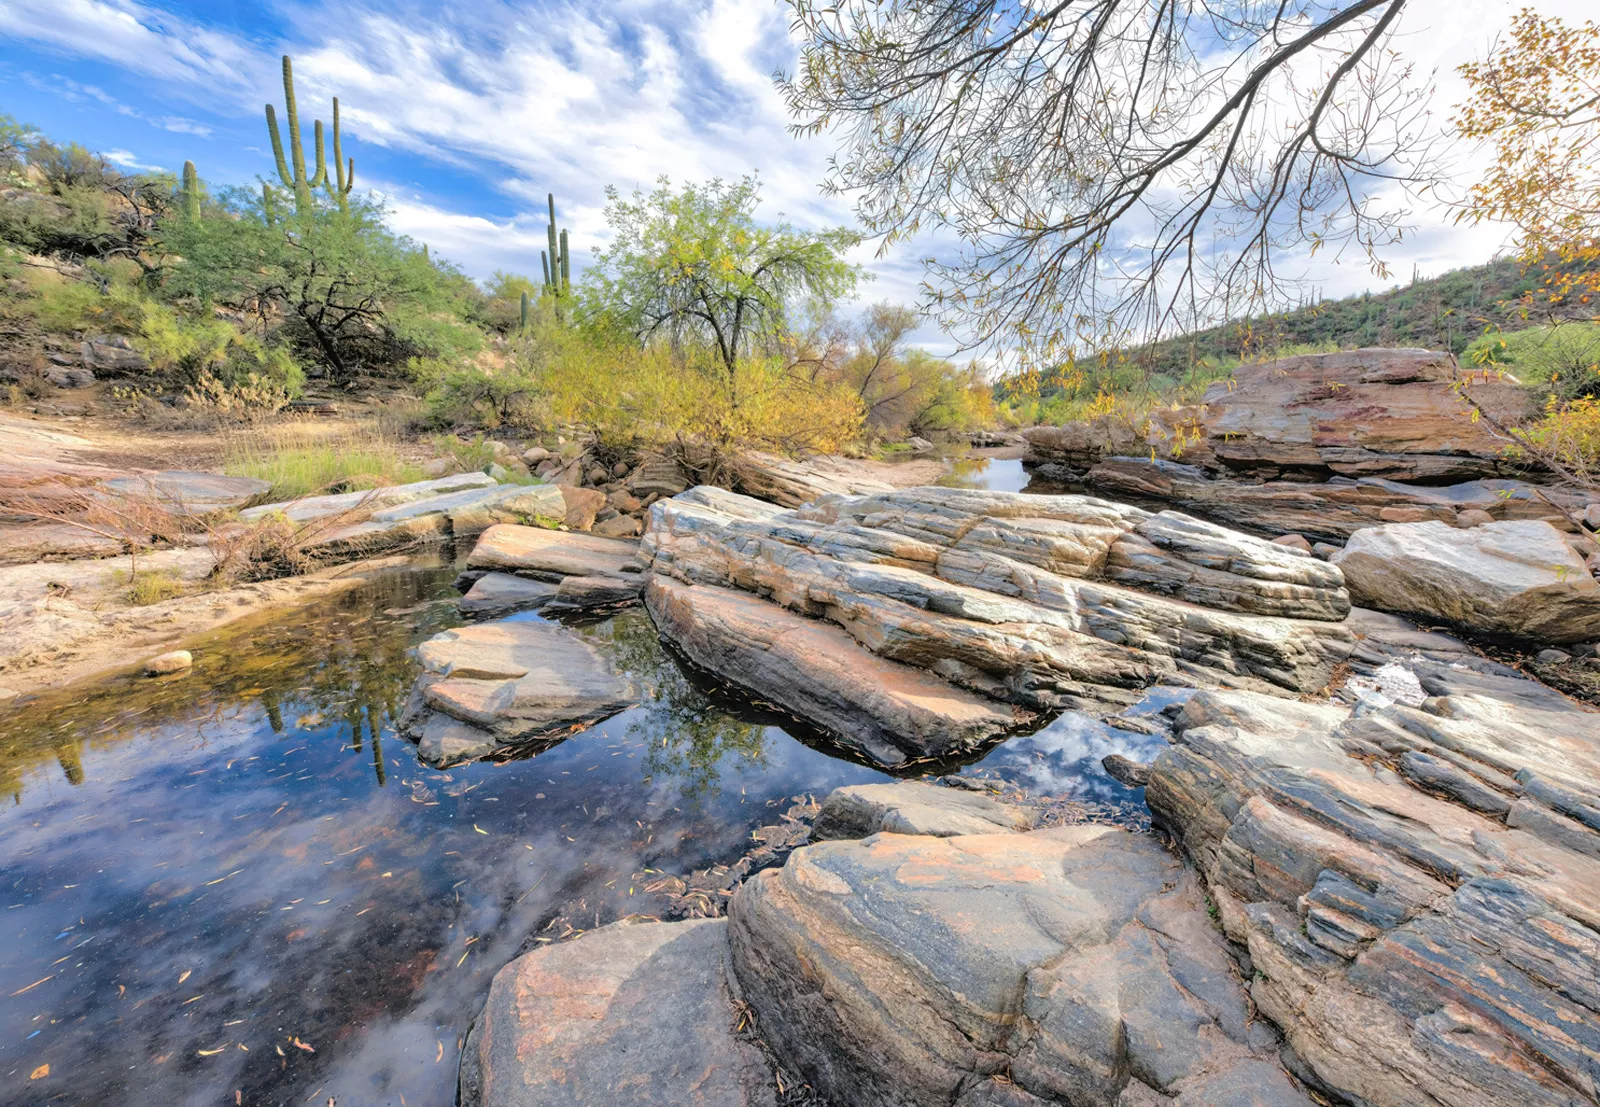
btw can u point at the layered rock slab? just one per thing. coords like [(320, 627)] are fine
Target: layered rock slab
[(1414, 887), (633, 1013), (888, 712), (997, 591), (912, 807), (1072, 965), (1509, 578), (508, 683)]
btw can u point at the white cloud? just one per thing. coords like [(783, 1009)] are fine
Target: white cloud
[(128, 161), (569, 97)]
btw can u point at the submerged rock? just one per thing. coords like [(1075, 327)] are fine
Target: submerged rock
[(517, 682), (1510, 578), (1072, 965), (635, 1013), (502, 593)]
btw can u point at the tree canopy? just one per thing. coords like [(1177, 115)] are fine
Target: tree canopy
[(1138, 161), (693, 266)]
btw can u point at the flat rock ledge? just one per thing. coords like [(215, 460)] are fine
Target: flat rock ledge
[(522, 568), (507, 685), (1038, 602), (912, 807)]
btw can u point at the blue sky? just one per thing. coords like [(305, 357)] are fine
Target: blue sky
[(464, 113)]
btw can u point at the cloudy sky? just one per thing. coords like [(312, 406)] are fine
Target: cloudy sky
[(464, 113)]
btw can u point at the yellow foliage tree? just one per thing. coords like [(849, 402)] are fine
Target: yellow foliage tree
[(1536, 98)]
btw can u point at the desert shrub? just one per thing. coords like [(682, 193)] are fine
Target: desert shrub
[(475, 396), (302, 459), (191, 348), (1562, 361)]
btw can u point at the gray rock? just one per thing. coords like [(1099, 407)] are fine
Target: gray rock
[(68, 376), (1554, 657), (520, 682), (1427, 935), (633, 1013), (911, 807), (1077, 963), (888, 712), (503, 593), (535, 454), (1132, 773), (995, 591), (1511, 578), (551, 555), (188, 493), (112, 354), (660, 476), (376, 499)]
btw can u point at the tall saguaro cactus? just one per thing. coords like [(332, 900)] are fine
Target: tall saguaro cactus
[(557, 264), (191, 192), (292, 171)]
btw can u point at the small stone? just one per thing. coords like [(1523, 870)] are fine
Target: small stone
[(622, 526), (1585, 546), (1473, 517), (1324, 550), (498, 448), (624, 501), (1403, 514), (620, 469), (547, 466), (596, 475), (535, 455), (175, 662), (1293, 541), (441, 467), (1591, 516), (497, 471), (1585, 649), (582, 506), (1132, 773), (1553, 657)]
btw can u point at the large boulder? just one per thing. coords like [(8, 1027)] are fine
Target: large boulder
[(1359, 413), (1508, 578), (1072, 965), (518, 683), (1333, 509), (550, 555), (791, 483), (1414, 886), (634, 1013), (374, 499), (887, 712), (1013, 595), (1070, 450)]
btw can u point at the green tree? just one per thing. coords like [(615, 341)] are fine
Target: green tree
[(338, 285), (694, 267)]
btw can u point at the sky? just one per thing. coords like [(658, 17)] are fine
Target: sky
[(463, 114)]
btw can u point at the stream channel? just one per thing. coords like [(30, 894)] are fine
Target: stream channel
[(239, 886)]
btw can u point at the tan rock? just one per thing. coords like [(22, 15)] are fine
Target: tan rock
[(551, 554), (1405, 514), (1293, 541), (581, 506), (175, 661), (1473, 517)]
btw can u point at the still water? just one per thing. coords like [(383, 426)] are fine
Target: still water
[(239, 885)]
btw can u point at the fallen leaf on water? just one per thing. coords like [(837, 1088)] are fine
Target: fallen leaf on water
[(440, 1056), (39, 1073), (298, 1044), (34, 985), (479, 829), (211, 1052), (281, 1053), (184, 975)]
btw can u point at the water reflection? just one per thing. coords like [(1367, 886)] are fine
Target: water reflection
[(203, 872)]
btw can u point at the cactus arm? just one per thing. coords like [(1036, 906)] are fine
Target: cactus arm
[(191, 191), (341, 184), (566, 266), (269, 206), (321, 174), (297, 152), (544, 263), (524, 309), (277, 148)]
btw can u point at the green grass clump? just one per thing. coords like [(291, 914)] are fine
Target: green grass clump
[(309, 460), (1561, 361), (153, 586)]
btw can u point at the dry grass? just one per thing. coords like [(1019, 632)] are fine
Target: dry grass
[(305, 458)]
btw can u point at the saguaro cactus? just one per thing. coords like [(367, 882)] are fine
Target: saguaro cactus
[(524, 309), (191, 191), (292, 171), (557, 265)]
